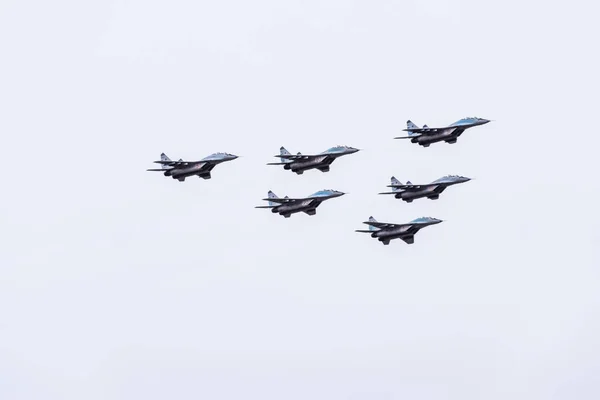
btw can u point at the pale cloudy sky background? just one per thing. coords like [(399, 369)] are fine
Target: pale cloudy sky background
[(116, 283)]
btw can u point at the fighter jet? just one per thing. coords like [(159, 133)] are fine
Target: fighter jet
[(302, 162), (288, 206), (182, 169), (425, 136), (384, 232), (408, 192)]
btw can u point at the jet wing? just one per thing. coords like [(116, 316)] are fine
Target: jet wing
[(428, 131), (177, 163), (413, 187), (286, 200), (384, 225), (298, 157)]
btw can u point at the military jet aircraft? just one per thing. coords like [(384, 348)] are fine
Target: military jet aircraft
[(288, 206), (302, 162), (384, 232), (425, 136), (182, 169), (408, 192)]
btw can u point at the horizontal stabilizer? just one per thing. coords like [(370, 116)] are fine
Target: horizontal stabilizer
[(388, 193), (277, 163), (363, 231), (266, 206), (157, 170), (383, 225)]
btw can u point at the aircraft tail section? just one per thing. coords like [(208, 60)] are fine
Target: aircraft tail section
[(164, 157), (410, 126), (284, 152), (395, 182), (272, 195), (371, 227)]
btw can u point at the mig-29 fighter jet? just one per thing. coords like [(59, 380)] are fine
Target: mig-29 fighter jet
[(288, 206), (302, 162), (425, 136), (182, 169), (408, 192), (384, 232)]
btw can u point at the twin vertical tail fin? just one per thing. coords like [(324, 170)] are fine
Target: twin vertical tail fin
[(283, 151), (410, 125), (272, 195), (395, 182), (163, 157), (371, 227)]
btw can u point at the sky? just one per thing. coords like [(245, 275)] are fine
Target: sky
[(117, 283)]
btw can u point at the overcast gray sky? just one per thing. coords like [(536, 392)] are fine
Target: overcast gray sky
[(116, 283)]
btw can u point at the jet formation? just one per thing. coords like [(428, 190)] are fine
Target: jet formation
[(299, 163)]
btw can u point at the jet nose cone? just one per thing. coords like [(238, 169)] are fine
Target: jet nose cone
[(484, 121), (354, 150)]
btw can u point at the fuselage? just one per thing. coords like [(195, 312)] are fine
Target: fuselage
[(296, 207), (417, 194), (397, 233), (194, 169), (301, 166), (449, 136)]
